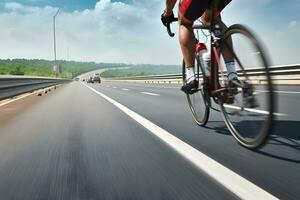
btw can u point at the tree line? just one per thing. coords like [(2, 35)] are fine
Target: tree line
[(40, 67)]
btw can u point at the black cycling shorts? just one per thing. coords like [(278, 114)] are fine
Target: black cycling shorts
[(193, 9)]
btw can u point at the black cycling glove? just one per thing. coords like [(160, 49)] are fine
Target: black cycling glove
[(167, 20)]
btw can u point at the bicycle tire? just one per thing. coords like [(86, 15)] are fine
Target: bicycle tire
[(262, 135), (201, 117)]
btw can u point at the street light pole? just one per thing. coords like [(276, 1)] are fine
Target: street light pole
[(54, 35)]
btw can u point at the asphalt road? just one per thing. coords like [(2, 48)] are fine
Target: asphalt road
[(74, 144)]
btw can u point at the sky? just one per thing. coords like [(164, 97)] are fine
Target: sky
[(130, 31)]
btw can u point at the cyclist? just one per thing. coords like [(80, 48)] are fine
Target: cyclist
[(189, 11)]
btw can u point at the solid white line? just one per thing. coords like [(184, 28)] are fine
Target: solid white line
[(280, 91), (16, 99), (287, 92), (149, 93), (254, 110), (229, 179), (125, 89)]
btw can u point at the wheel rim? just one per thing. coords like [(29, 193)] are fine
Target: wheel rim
[(249, 125), (197, 106), (197, 103)]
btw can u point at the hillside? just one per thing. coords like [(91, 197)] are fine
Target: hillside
[(142, 70)]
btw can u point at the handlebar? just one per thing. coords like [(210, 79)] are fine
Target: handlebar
[(171, 34)]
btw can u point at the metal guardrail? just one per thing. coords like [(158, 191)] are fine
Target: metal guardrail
[(286, 72), (11, 86)]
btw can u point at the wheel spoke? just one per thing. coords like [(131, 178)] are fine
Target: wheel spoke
[(196, 101), (249, 114)]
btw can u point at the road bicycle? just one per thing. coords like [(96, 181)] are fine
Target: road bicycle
[(247, 110)]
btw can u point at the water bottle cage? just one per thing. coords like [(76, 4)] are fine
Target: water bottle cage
[(216, 34)]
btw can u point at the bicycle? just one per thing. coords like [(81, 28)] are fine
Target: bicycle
[(248, 111)]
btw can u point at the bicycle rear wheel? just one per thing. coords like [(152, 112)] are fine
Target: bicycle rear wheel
[(248, 111), (197, 101)]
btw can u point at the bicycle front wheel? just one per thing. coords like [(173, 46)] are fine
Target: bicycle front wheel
[(247, 109), (197, 101)]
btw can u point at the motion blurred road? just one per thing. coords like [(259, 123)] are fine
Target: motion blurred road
[(74, 144)]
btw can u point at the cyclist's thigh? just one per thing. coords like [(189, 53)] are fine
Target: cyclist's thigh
[(193, 9), (222, 4)]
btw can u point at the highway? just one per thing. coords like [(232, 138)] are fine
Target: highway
[(127, 141)]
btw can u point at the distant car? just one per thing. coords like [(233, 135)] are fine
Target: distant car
[(90, 80), (96, 78)]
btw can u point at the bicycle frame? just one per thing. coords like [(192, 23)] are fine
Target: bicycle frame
[(223, 94), (215, 31), (215, 60)]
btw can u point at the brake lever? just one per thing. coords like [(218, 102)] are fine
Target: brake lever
[(169, 31), (171, 34)]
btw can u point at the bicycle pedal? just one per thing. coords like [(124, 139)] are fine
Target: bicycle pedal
[(191, 91), (229, 100), (251, 102), (233, 91)]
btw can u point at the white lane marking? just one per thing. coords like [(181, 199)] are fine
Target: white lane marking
[(263, 91), (149, 93), (125, 89), (229, 179), (115, 87), (151, 86), (16, 99), (163, 87), (280, 91), (253, 110), (156, 86)]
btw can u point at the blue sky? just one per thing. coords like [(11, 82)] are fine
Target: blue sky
[(130, 30), (67, 5)]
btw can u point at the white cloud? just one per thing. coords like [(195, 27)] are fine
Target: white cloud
[(119, 32), (275, 29), (111, 32), (293, 24), (13, 6)]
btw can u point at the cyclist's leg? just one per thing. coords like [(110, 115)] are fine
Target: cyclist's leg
[(189, 11), (187, 41), (228, 57)]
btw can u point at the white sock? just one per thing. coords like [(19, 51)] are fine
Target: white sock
[(231, 71), (190, 74)]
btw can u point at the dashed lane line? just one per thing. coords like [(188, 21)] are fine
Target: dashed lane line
[(253, 110), (235, 183), (149, 93)]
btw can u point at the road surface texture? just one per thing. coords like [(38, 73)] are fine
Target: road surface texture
[(75, 144)]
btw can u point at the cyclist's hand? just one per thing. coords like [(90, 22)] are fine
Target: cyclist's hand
[(166, 20)]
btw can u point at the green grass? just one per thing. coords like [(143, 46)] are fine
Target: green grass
[(70, 69)]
